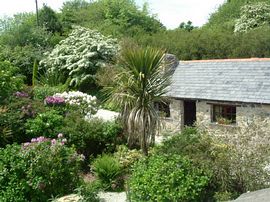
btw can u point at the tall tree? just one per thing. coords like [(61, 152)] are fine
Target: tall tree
[(49, 20), (186, 26), (113, 17), (143, 80)]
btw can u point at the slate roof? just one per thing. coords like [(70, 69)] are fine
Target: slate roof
[(236, 80)]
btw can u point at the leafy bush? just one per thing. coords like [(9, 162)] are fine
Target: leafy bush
[(235, 157), (91, 137), (47, 123), (88, 192), (14, 116), (127, 157), (107, 169), (10, 81), (167, 178), (37, 171), (41, 92), (204, 153), (191, 143)]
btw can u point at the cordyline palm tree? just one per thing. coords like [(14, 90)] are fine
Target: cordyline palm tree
[(143, 80)]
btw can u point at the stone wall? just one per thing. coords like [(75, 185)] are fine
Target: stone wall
[(244, 114), (175, 121)]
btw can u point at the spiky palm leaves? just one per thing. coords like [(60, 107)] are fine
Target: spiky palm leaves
[(143, 80)]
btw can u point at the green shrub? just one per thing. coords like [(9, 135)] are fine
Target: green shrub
[(223, 196), (107, 169), (167, 178), (91, 137), (37, 171), (127, 157), (10, 81), (41, 92), (191, 143), (88, 192), (47, 123), (204, 153), (14, 116)]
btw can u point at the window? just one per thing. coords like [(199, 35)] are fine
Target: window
[(224, 114), (163, 109)]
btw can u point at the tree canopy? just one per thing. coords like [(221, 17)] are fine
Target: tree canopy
[(80, 55), (229, 33), (253, 16), (49, 20)]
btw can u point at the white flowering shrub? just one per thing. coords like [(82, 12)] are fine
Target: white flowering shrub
[(253, 16), (247, 157), (80, 55), (87, 103)]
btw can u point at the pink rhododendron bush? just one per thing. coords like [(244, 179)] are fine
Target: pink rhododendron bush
[(38, 170)]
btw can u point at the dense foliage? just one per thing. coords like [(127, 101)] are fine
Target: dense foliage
[(22, 42), (91, 137), (167, 178), (113, 17), (253, 16), (37, 171), (14, 116), (47, 124), (10, 80), (234, 157), (49, 20), (244, 155)]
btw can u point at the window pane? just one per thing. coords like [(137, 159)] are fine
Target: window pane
[(226, 113), (163, 109)]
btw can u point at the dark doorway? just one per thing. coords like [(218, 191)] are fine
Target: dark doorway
[(189, 113)]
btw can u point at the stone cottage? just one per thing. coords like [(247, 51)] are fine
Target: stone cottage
[(218, 92)]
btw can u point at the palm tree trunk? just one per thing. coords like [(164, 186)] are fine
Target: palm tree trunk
[(144, 145)]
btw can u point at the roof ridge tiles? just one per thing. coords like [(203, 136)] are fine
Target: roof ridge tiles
[(228, 60)]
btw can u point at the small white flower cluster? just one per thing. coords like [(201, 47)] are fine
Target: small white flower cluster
[(87, 103)]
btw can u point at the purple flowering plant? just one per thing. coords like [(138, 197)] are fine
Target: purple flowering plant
[(21, 94), (40, 169), (54, 100), (60, 140)]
